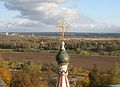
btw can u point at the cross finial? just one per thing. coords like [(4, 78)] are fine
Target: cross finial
[(63, 25)]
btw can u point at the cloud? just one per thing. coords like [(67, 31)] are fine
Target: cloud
[(42, 15), (47, 11)]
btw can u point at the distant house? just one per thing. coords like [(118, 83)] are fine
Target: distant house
[(2, 83)]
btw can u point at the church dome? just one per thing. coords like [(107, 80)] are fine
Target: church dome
[(62, 56)]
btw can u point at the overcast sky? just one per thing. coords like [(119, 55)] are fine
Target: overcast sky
[(42, 15)]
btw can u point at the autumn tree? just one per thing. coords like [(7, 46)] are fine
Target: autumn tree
[(5, 74)]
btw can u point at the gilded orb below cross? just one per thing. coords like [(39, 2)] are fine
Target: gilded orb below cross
[(63, 25)]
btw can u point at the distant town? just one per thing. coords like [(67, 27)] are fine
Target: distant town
[(67, 34)]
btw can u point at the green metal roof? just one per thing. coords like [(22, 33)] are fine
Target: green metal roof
[(62, 56)]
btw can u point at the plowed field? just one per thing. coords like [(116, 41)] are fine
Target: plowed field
[(104, 63)]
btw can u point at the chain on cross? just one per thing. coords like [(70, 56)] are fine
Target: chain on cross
[(64, 26)]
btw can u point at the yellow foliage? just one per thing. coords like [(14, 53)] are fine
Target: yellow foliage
[(85, 81), (5, 74)]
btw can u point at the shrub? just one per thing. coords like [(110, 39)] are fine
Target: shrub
[(114, 74), (5, 74)]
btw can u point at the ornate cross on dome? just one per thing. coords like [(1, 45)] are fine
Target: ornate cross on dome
[(63, 25), (62, 58)]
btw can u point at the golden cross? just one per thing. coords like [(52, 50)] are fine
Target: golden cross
[(63, 25)]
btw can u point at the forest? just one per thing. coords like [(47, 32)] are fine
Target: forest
[(89, 47)]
